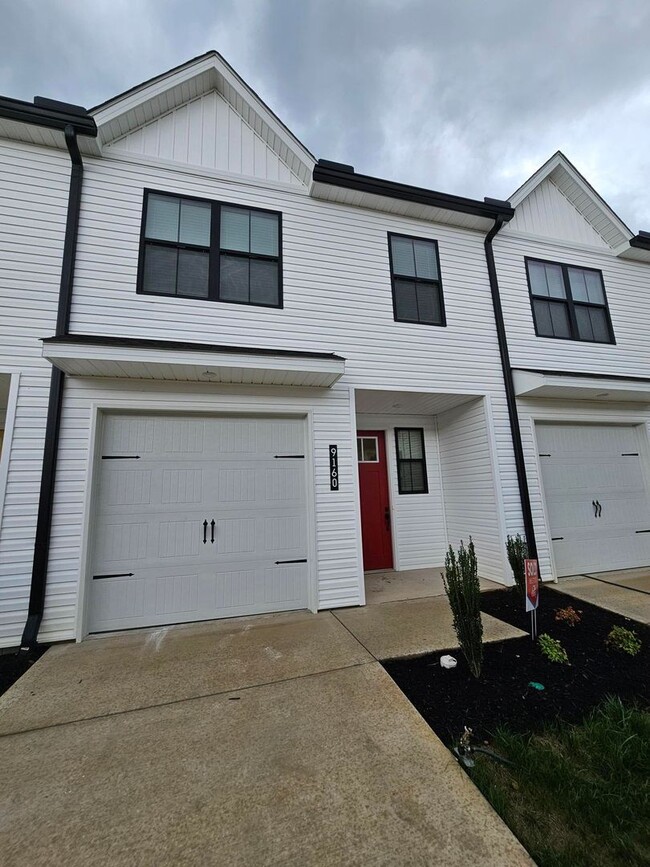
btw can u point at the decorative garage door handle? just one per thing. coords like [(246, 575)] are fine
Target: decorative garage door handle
[(205, 532), (598, 509), (212, 531)]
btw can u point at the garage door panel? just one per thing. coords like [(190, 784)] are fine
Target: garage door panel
[(150, 516), (583, 464)]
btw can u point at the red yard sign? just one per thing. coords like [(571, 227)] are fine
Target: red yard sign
[(531, 571)]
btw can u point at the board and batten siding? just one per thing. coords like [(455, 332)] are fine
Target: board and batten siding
[(207, 132), (578, 411), (337, 552), (33, 205), (417, 520), (470, 483)]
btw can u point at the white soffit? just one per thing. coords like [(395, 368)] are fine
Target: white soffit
[(531, 384), (390, 205), (186, 365)]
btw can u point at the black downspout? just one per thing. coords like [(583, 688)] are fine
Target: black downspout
[(511, 399), (53, 424)]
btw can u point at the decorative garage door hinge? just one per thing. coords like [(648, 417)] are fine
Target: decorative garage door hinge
[(115, 575), (280, 562), (120, 457)]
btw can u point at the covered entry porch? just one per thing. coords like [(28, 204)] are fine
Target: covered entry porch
[(428, 478)]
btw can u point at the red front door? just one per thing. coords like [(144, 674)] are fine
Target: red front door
[(375, 507)]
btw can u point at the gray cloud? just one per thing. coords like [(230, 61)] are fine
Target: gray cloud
[(465, 96)]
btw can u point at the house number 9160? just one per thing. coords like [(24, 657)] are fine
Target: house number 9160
[(334, 468)]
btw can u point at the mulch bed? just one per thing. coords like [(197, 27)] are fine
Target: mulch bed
[(13, 665), (450, 699)]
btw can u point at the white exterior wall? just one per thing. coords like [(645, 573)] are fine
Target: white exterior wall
[(33, 205), (540, 218), (337, 298), (338, 560), (208, 132), (472, 494), (417, 520)]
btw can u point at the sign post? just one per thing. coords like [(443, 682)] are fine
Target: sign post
[(531, 571)]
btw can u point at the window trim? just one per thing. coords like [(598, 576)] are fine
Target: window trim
[(570, 303), (393, 277), (214, 250), (422, 460)]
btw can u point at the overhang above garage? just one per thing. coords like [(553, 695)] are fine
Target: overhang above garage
[(579, 386), (121, 357)]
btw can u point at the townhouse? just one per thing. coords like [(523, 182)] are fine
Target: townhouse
[(236, 378)]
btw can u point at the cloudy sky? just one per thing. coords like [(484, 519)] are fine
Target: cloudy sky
[(463, 96)]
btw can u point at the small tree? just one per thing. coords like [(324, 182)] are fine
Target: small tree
[(517, 553), (463, 590)]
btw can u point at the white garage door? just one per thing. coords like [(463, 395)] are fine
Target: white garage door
[(596, 496), (198, 517)]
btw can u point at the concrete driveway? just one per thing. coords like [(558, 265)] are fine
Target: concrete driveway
[(626, 592), (276, 740)]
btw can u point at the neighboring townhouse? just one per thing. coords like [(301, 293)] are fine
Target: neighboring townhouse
[(575, 288), (277, 374)]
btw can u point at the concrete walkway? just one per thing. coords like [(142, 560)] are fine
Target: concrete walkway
[(626, 592), (275, 740)]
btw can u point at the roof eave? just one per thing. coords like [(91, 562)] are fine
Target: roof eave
[(47, 116), (347, 178)]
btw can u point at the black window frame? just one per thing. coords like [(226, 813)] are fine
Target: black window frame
[(214, 250), (570, 302), (422, 460), (437, 283)]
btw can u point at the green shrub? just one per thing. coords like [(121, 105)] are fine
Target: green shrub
[(624, 640), (552, 649), (463, 590), (517, 552)]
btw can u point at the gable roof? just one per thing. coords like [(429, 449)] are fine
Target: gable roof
[(579, 192), (144, 103)]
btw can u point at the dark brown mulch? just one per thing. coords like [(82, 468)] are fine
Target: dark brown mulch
[(14, 664), (451, 699)]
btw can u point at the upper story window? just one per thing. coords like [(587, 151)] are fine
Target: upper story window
[(200, 249), (569, 302), (415, 275)]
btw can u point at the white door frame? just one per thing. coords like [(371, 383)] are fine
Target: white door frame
[(553, 416), (97, 413)]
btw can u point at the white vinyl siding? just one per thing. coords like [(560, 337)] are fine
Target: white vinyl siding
[(33, 205), (470, 485)]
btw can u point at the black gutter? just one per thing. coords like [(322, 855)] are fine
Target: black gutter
[(511, 400), (53, 424), (642, 241), (180, 346), (582, 373), (340, 175), (48, 113)]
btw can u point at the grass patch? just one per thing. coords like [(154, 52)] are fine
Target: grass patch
[(576, 795)]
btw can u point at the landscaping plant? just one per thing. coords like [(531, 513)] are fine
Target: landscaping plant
[(463, 590), (517, 552), (552, 649), (568, 615), (624, 640)]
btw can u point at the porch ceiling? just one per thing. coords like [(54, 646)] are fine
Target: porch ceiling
[(85, 355), (378, 402)]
